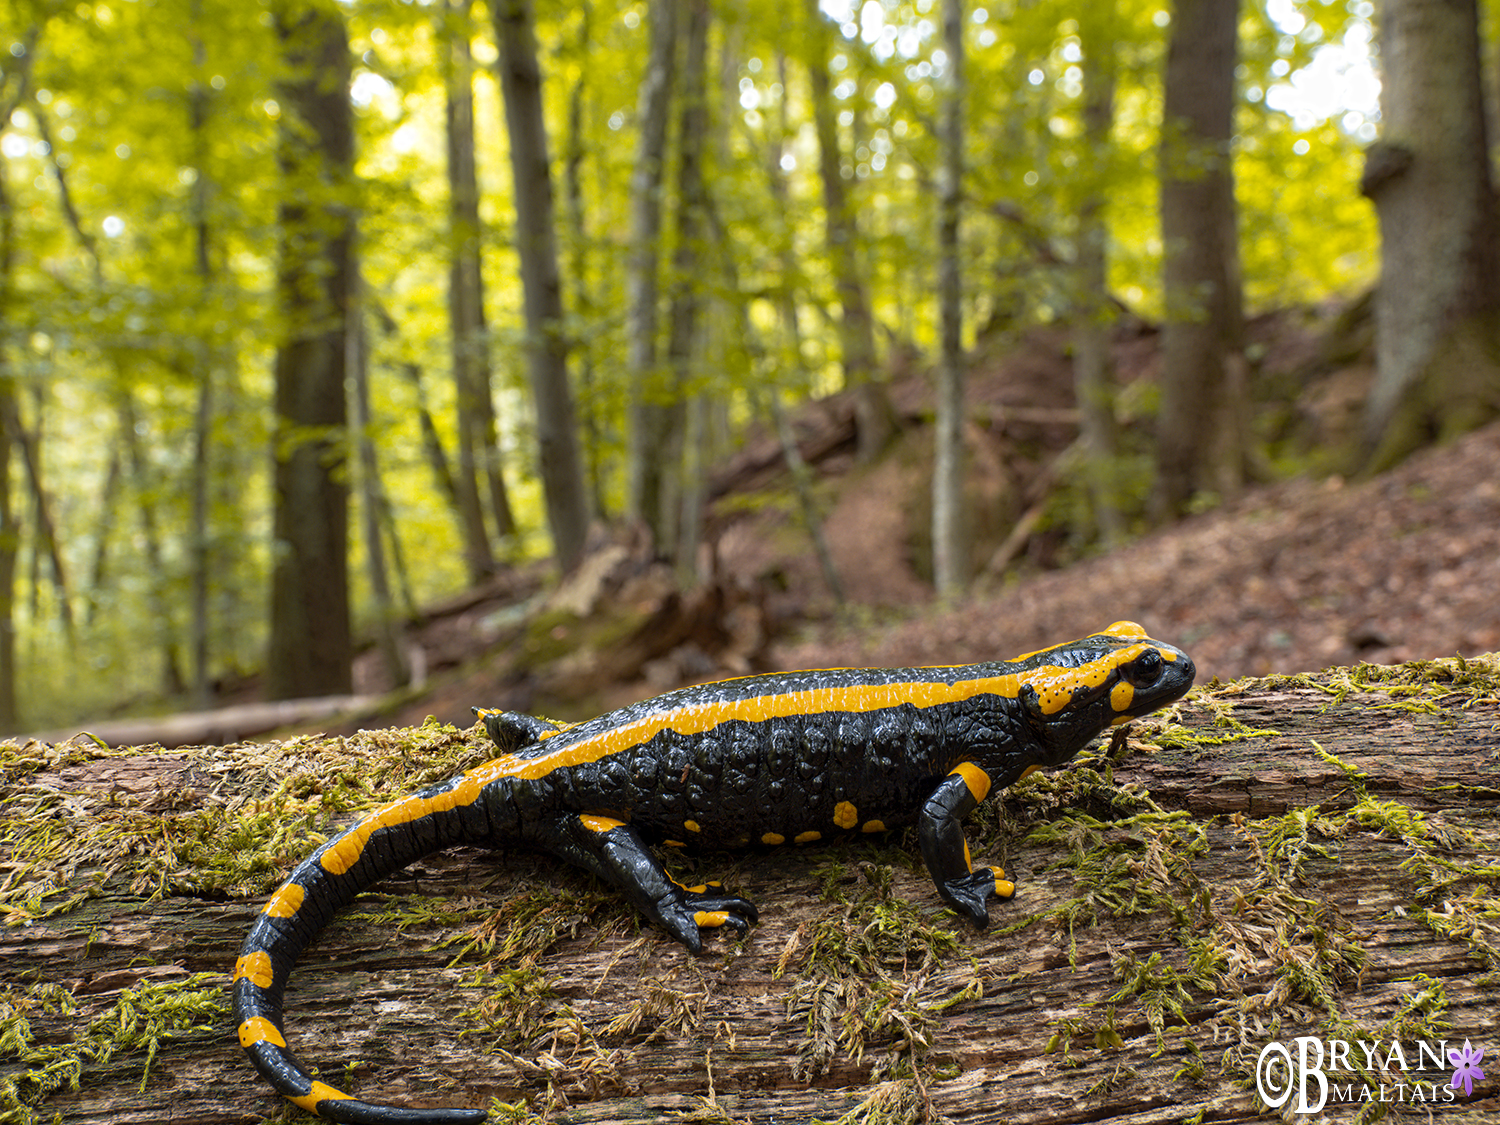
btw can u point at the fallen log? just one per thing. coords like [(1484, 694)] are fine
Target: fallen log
[(223, 724), (1309, 856)]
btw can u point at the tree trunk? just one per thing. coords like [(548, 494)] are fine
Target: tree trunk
[(10, 533), (950, 563), (311, 647), (1286, 857), (536, 243), (372, 501), (1437, 310), (478, 456), (873, 411), (1093, 311), (688, 429), (592, 423), (206, 356), (649, 406), (158, 578), (1202, 407)]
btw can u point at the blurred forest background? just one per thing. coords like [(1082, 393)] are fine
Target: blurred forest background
[(313, 314)]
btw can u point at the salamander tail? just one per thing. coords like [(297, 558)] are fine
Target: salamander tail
[(379, 844)]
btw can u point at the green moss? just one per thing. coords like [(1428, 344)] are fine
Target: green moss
[(70, 841), (137, 1024)]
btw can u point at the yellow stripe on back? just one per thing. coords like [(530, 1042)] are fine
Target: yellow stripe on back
[(1054, 686)]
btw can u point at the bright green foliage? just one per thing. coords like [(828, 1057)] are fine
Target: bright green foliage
[(159, 117)]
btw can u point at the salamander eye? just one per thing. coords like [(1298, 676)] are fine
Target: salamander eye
[(1143, 670)]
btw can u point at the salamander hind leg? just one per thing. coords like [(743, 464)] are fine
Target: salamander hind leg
[(615, 852)]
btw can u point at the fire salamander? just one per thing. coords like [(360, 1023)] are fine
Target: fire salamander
[(765, 760)]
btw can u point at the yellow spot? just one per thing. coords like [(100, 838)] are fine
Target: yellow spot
[(968, 862), (285, 902), (1122, 696), (711, 917), (691, 826), (873, 826), (256, 968), (1003, 886), (674, 843), (321, 1092), (975, 778), (845, 815), (806, 837), (1029, 770), (258, 1029), (773, 838), (596, 823)]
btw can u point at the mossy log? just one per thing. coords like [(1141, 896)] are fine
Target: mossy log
[(1272, 858)]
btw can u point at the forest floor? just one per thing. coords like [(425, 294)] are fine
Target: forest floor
[(1287, 577)]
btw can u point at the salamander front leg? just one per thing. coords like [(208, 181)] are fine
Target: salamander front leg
[(616, 853), (940, 832)]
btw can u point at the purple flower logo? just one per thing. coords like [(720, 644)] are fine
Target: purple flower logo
[(1466, 1070)]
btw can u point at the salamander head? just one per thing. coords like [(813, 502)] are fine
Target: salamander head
[(1073, 692)]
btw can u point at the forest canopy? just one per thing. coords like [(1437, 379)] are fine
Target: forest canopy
[(725, 185)]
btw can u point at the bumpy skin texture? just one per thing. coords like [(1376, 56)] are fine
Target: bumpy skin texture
[(760, 761)]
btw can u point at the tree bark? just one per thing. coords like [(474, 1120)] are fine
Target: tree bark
[(478, 455), (687, 431), (373, 503), (10, 536), (1209, 886), (311, 645), (1202, 407), (1437, 309), (873, 411), (1093, 310), (536, 244), (950, 563), (206, 355), (592, 417), (650, 404)]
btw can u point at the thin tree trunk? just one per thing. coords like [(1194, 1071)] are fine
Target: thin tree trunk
[(875, 418), (1202, 408), (590, 418), (536, 244), (109, 497), (684, 343), (311, 645), (373, 501), (432, 444), (45, 534), (648, 422), (950, 569), (10, 536), (1094, 312), (1437, 309), (163, 618), (207, 356), (477, 430)]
